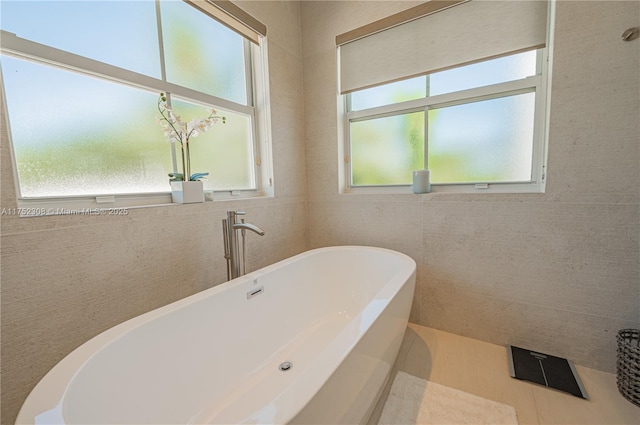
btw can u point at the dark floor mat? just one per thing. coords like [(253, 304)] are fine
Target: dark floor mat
[(544, 369)]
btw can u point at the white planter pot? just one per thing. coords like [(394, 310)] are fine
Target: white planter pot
[(187, 192)]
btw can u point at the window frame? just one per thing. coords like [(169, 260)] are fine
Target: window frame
[(257, 108), (538, 84)]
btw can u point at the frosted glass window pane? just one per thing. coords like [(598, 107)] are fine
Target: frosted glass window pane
[(202, 54), (480, 74), (225, 151), (120, 33), (385, 151), (400, 91), (77, 135), (488, 141)]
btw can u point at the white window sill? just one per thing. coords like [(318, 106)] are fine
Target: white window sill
[(112, 205), (449, 188)]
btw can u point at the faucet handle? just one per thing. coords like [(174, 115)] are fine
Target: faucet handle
[(231, 216)]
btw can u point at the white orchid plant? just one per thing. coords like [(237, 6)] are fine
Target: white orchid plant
[(176, 130)]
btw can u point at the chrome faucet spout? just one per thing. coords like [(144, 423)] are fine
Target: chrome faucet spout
[(249, 226)]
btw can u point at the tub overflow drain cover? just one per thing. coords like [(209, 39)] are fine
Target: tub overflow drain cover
[(284, 366)]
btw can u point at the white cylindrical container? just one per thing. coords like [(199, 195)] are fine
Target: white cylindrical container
[(422, 181)]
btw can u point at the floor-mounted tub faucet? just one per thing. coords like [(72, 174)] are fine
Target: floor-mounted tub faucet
[(230, 228)]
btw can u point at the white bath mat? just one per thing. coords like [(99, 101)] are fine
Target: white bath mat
[(414, 401)]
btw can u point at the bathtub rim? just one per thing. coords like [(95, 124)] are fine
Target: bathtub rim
[(50, 391)]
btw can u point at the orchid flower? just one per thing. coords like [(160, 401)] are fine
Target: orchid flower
[(174, 129)]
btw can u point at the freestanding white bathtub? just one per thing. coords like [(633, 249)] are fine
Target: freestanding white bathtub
[(336, 314)]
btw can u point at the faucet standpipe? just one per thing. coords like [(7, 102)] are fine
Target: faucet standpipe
[(230, 227)]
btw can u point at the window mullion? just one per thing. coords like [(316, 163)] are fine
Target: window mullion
[(347, 159), (387, 110), (428, 85), (163, 74), (248, 66), (540, 117), (163, 68), (449, 99), (426, 137), (485, 92), (426, 123)]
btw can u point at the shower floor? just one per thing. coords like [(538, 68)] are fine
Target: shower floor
[(482, 369)]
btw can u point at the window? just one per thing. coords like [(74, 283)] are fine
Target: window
[(477, 123), (82, 96), (473, 124)]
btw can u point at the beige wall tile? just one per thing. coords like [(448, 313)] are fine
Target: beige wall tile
[(287, 117), (366, 223), (282, 19), (574, 257), (322, 20), (594, 151)]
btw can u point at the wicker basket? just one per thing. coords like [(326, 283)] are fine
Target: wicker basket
[(628, 368)]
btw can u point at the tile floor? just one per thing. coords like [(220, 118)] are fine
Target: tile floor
[(481, 368)]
